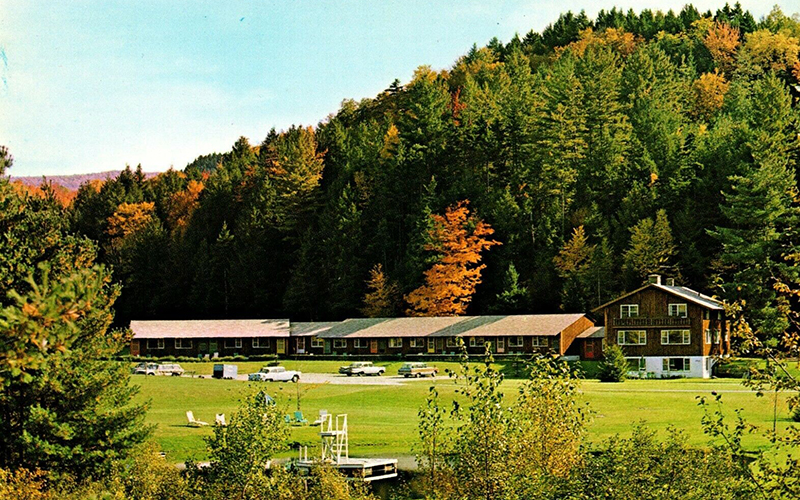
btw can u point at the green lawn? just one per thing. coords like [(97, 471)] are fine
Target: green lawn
[(383, 418)]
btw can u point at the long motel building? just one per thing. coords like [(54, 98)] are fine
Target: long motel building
[(664, 330)]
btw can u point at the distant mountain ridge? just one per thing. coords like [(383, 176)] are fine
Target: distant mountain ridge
[(71, 182)]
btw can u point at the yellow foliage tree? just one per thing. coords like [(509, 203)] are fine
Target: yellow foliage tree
[(618, 39), (450, 283), (380, 301), (709, 93), (130, 218), (575, 254), (767, 51)]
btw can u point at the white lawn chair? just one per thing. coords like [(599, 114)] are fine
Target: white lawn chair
[(322, 415), (220, 419), (193, 422)]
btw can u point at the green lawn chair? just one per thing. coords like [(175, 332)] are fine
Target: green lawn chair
[(287, 419), (299, 419)]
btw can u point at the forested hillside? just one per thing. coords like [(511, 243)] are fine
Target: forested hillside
[(597, 151)]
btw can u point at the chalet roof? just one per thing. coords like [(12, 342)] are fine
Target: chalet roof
[(595, 332), (678, 291), (311, 329), (210, 328), (691, 295), (453, 326)]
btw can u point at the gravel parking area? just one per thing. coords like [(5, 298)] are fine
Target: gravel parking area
[(335, 378)]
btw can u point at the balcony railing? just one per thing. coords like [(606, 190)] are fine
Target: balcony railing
[(645, 321)]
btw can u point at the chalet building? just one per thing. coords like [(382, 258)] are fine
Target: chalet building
[(198, 338), (667, 330), (518, 334)]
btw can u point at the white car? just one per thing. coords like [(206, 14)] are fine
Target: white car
[(362, 368), (274, 374), (153, 369)]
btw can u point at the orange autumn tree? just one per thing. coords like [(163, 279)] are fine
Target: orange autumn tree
[(450, 283), (182, 204)]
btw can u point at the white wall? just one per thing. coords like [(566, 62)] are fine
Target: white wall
[(699, 367)]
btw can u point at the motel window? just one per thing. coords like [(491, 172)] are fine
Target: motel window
[(632, 337), (637, 364), (155, 343), (717, 336), (183, 344), (706, 314), (360, 343), (708, 336), (418, 342), (340, 344), (259, 343), (676, 364), (516, 341), (537, 341), (451, 342), (672, 337), (629, 310), (476, 341), (678, 310), (233, 343), (317, 342), (395, 342)]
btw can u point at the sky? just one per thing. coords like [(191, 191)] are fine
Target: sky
[(89, 86)]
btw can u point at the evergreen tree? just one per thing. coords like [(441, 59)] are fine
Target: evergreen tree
[(514, 298), (651, 250), (63, 408), (614, 367), (762, 214)]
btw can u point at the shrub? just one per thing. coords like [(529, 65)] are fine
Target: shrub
[(614, 367)]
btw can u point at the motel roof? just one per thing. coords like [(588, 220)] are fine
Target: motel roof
[(452, 326), (595, 332), (311, 329), (210, 328)]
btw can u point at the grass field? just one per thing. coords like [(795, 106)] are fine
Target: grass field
[(383, 419)]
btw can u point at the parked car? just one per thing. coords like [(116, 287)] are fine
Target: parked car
[(362, 368), (417, 369), (155, 369), (145, 369), (274, 374)]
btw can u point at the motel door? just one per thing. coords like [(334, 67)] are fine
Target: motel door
[(501, 345), (281, 346), (373, 346), (212, 347), (327, 347), (134, 348), (589, 349), (301, 345), (431, 346)]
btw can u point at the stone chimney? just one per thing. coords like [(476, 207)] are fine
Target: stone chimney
[(654, 279)]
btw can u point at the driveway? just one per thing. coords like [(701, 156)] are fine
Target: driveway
[(335, 378)]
